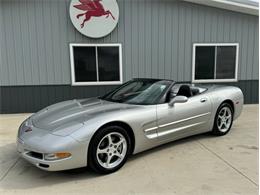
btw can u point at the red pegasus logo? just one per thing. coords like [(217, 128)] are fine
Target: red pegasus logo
[(93, 8)]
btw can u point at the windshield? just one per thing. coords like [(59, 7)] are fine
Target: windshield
[(145, 92)]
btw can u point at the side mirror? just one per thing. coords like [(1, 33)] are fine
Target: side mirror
[(178, 99)]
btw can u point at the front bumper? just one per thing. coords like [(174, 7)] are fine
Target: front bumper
[(33, 153)]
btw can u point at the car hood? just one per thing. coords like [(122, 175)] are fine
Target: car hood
[(72, 114)]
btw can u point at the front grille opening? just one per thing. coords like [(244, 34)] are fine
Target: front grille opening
[(35, 155)]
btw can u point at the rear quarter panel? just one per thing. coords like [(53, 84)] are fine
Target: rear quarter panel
[(218, 94)]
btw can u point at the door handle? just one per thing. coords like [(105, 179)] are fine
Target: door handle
[(203, 100)]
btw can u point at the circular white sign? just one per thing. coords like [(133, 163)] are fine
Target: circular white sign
[(94, 18)]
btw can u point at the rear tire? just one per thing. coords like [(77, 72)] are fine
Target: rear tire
[(223, 120), (109, 149)]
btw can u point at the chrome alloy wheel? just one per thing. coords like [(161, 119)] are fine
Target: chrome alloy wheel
[(224, 119), (111, 150)]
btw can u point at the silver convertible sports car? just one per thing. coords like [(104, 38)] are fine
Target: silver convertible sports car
[(138, 115)]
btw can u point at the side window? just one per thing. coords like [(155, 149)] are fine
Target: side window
[(195, 90), (173, 92)]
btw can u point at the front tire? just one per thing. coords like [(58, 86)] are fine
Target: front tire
[(223, 120), (109, 149)]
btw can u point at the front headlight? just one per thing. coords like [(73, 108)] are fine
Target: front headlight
[(24, 127), (56, 156)]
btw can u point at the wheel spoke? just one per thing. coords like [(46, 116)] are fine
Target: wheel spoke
[(119, 142), (102, 151), (220, 117), (221, 124), (109, 139), (118, 154), (108, 160), (225, 112)]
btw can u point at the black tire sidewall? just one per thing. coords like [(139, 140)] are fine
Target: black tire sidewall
[(92, 159), (216, 130)]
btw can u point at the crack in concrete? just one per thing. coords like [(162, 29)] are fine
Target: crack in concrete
[(9, 169), (226, 162)]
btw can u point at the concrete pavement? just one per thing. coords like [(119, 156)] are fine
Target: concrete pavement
[(201, 164)]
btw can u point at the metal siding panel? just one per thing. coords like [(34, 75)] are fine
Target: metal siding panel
[(134, 39), (195, 24), (244, 90), (18, 45), (128, 43), (51, 96), (220, 28), (23, 63), (2, 105), (26, 43), (168, 41), (7, 101), (44, 96), (121, 34), (32, 42), (244, 48), (255, 69), (181, 48), (9, 42), (201, 24), (155, 41), (248, 90), (232, 31), (64, 43), (148, 39), (214, 27), (41, 42), (35, 99), (175, 41), (141, 39), (13, 99), (161, 40), (187, 45), (1, 95), (239, 29), (250, 50), (2, 73), (255, 91), (48, 41), (226, 27), (208, 22), (56, 43), (27, 104)]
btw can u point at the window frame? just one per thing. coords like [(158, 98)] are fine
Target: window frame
[(214, 80), (72, 67)]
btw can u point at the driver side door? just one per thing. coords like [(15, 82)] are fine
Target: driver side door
[(183, 119)]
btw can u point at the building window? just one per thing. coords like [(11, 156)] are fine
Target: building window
[(96, 64), (215, 62)]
